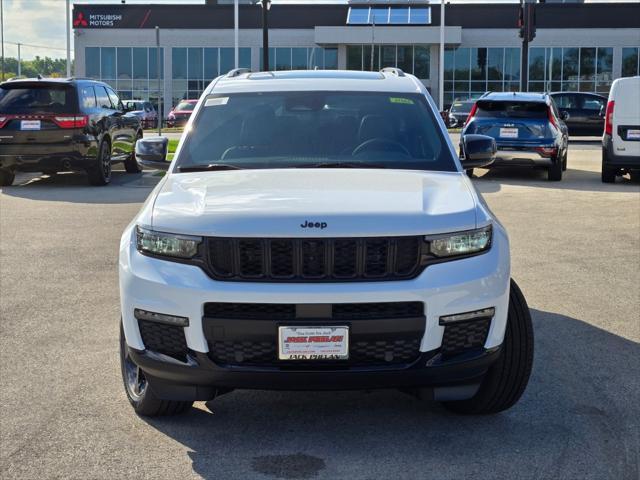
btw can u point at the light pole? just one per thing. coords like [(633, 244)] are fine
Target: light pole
[(441, 69), (236, 52), (160, 84), (2, 36), (266, 5), (19, 62), (68, 29)]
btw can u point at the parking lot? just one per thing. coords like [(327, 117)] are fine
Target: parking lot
[(575, 253)]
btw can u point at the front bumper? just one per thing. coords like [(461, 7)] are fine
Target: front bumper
[(444, 289)]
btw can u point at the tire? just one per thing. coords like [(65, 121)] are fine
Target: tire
[(100, 174), (635, 175), (140, 396), (6, 177), (131, 164), (554, 173), (608, 174), (564, 160), (469, 172), (506, 380)]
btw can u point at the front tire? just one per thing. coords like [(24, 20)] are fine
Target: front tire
[(506, 380), (136, 386), (6, 177), (100, 174), (131, 164)]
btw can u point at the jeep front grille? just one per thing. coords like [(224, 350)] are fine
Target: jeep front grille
[(314, 260)]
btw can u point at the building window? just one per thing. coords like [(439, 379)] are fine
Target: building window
[(286, 58), (586, 69), (131, 71), (389, 15), (469, 72), (630, 61), (194, 68), (414, 59)]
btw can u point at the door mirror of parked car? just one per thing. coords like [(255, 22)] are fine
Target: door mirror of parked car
[(564, 115), (152, 152), (602, 111), (479, 151)]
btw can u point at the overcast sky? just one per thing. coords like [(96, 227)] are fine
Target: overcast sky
[(42, 23)]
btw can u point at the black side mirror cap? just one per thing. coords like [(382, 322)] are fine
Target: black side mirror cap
[(478, 150), (564, 115), (152, 152)]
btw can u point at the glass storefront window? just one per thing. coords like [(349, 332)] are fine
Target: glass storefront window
[(125, 65), (413, 59), (421, 62), (179, 63), (140, 64), (586, 69), (283, 59), (630, 61), (495, 64), (108, 63), (210, 63), (92, 62), (405, 58), (354, 57)]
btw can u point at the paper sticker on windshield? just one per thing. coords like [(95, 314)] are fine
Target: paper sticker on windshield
[(214, 102), (404, 101)]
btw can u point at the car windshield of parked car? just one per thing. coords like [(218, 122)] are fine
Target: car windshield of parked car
[(185, 106), (134, 105), (16, 99), (461, 107), (511, 109), (316, 129)]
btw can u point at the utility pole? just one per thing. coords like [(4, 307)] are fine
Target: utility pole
[(19, 62), (160, 84), (527, 25), (441, 67), (266, 5), (236, 51), (2, 37), (68, 29), (373, 42)]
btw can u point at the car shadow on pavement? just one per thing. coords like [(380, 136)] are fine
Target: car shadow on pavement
[(577, 419), (491, 181), (74, 187)]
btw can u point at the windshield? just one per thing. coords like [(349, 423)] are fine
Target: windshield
[(185, 106), (134, 105), (500, 109), (37, 99), (316, 129), (461, 107)]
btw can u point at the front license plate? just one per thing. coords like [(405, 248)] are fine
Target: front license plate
[(633, 134), (313, 343), (30, 125), (509, 132)]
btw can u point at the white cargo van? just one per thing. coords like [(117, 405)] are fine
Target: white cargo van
[(621, 139)]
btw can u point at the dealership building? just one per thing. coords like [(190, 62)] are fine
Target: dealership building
[(578, 46)]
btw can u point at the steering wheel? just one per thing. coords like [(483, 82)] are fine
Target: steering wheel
[(380, 144)]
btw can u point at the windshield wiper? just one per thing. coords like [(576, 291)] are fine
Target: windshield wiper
[(208, 168), (340, 165)]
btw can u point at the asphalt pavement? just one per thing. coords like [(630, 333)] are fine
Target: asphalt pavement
[(63, 412)]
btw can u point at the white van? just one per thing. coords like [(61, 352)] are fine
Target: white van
[(621, 139)]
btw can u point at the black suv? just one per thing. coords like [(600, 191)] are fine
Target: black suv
[(49, 125)]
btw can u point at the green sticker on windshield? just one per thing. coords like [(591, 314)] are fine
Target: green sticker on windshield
[(404, 101)]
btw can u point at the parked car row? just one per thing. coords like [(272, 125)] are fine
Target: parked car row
[(533, 129)]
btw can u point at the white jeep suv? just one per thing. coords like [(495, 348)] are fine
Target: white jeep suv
[(316, 230)]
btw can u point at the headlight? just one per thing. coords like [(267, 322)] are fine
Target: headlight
[(167, 244), (463, 243)]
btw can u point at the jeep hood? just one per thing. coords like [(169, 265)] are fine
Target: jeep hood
[(351, 202)]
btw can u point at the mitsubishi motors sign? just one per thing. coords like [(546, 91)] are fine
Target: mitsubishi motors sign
[(113, 16)]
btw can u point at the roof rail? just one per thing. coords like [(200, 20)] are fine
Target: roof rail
[(396, 71), (237, 71)]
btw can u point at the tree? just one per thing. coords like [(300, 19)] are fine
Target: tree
[(45, 66)]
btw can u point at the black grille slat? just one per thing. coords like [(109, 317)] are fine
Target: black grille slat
[(166, 339), (271, 311), (459, 337), (317, 259)]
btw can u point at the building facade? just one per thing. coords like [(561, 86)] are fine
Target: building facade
[(578, 47)]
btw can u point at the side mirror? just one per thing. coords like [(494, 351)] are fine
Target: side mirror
[(152, 152), (602, 111), (564, 115), (479, 151)]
